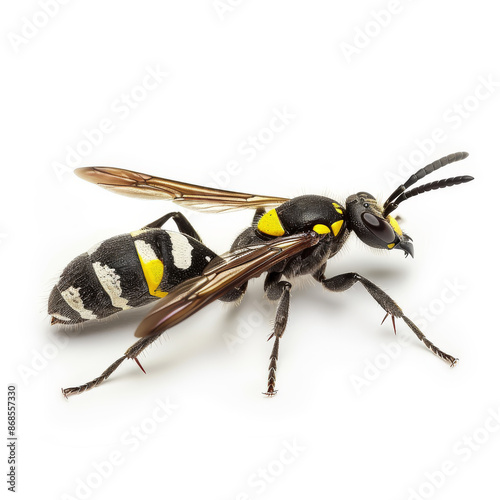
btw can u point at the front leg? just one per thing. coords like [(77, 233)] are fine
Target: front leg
[(277, 290), (343, 282)]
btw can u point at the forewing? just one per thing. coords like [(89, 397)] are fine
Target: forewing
[(221, 275), (135, 184)]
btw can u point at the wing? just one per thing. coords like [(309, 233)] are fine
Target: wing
[(135, 184), (221, 275)]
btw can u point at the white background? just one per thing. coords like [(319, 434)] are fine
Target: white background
[(362, 423)]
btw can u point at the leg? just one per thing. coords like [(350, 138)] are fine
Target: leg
[(180, 220), (277, 290), (343, 282), (235, 294), (131, 353), (136, 349)]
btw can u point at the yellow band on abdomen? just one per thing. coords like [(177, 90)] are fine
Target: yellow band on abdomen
[(152, 267)]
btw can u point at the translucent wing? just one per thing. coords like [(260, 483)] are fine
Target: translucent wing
[(221, 275), (135, 184)]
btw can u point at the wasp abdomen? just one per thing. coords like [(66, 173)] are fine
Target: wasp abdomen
[(123, 272)]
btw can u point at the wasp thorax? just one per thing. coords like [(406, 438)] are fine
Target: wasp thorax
[(304, 213)]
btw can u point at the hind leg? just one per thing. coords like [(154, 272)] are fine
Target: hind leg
[(180, 220), (276, 289)]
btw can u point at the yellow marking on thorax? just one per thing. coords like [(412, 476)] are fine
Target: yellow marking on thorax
[(336, 227), (338, 208), (321, 229), (270, 224)]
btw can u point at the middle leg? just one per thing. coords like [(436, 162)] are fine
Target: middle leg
[(277, 290)]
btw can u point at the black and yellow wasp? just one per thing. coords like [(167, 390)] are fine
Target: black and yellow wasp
[(294, 237)]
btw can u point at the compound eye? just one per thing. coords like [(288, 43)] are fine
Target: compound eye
[(378, 227)]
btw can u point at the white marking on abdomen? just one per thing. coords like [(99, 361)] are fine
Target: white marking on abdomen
[(181, 250), (145, 251), (110, 281), (72, 297), (60, 317), (139, 232)]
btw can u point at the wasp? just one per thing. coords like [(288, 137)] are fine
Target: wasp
[(287, 238)]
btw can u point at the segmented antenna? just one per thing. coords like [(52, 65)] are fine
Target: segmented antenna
[(400, 194)]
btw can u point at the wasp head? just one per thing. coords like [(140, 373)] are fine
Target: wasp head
[(366, 219), (372, 223)]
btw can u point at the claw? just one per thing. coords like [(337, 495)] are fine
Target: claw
[(270, 394), (140, 366)]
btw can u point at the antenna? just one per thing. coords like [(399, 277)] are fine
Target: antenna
[(400, 194)]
